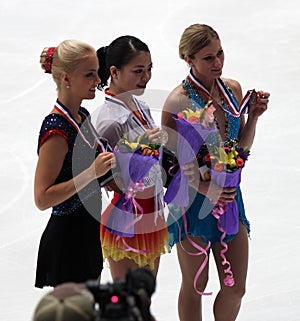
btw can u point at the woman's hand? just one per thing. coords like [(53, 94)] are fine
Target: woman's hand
[(216, 193), (103, 163), (156, 135), (210, 189), (260, 104), (192, 171)]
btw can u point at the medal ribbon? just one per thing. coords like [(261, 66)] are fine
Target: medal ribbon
[(112, 98), (234, 110), (63, 111)]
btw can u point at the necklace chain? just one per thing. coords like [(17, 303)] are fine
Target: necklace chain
[(212, 89)]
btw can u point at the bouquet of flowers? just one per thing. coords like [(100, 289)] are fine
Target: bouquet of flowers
[(225, 165), (135, 159), (193, 127)]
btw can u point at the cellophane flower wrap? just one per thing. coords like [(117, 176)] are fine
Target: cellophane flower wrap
[(193, 127), (225, 164), (135, 160)]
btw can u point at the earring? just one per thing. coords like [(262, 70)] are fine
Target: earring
[(68, 86)]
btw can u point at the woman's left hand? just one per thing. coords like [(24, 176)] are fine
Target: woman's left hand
[(260, 105), (193, 174), (157, 135)]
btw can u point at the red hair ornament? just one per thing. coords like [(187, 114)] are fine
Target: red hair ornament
[(49, 58)]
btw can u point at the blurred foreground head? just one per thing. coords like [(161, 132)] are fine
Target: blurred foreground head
[(67, 302)]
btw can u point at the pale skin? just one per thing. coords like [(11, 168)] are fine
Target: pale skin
[(207, 65), (130, 80), (74, 87)]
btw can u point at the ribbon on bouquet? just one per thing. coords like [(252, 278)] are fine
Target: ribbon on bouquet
[(219, 209), (132, 189), (127, 211), (227, 216), (130, 200), (200, 249)]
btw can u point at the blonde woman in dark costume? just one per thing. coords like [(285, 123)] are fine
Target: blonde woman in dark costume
[(73, 164)]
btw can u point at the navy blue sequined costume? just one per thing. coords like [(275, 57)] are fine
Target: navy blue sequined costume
[(70, 248), (200, 221)]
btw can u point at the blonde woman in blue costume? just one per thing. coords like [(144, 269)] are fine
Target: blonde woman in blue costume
[(73, 164), (201, 48), (127, 63)]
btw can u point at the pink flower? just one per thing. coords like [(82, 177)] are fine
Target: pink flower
[(193, 119), (180, 115), (218, 167), (208, 111), (239, 162)]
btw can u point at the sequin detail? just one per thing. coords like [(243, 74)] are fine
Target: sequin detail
[(198, 102), (51, 132), (79, 157), (200, 221)]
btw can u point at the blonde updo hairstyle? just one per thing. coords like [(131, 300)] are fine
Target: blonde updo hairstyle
[(66, 57), (195, 38)]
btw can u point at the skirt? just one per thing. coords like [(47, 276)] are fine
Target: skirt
[(200, 221), (69, 250), (150, 239)]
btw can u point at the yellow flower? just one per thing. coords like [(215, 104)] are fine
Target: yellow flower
[(230, 157), (132, 145), (231, 163), (223, 156)]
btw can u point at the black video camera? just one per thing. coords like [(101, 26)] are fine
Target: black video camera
[(124, 301)]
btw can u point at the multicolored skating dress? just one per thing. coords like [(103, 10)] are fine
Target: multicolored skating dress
[(150, 238), (199, 218)]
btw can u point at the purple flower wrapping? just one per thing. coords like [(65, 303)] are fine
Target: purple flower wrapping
[(230, 219), (134, 167), (191, 137)]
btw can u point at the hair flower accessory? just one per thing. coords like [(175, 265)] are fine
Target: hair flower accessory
[(48, 60)]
